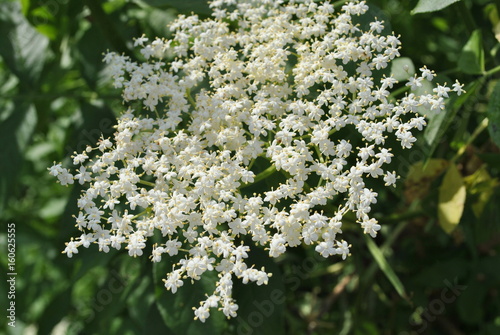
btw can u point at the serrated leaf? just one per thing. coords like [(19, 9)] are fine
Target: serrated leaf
[(451, 199), (471, 59), (23, 48), (402, 68), (493, 114), (425, 6)]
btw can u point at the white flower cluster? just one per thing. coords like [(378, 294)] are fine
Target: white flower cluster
[(262, 80)]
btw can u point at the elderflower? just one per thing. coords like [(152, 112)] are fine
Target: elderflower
[(262, 89)]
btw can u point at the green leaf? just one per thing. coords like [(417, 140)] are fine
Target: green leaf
[(48, 30), (261, 308), (492, 159), (109, 303), (54, 312), (420, 177), (493, 115), (385, 267), (440, 123), (185, 6), (470, 304), (425, 6), (26, 6), (426, 88), (142, 298), (159, 19), (90, 57), (471, 59), (402, 68), (107, 27), (15, 134), (177, 309), (437, 127), (96, 120), (451, 199), (434, 275), (53, 208), (481, 184), (23, 48)]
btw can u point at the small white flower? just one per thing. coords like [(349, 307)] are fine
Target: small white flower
[(173, 281), (71, 248), (427, 74), (55, 170), (370, 227), (457, 87), (326, 248), (343, 249), (140, 41), (390, 178), (236, 109), (202, 313)]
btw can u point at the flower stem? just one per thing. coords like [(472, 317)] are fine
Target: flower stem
[(190, 98), (482, 126), (147, 183), (263, 175)]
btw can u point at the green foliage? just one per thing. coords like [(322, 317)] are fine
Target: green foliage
[(425, 6), (451, 199), (494, 114), (55, 98), (471, 59), (402, 68), (186, 6)]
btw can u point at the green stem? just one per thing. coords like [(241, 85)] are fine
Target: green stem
[(492, 71), (401, 217), (263, 175), (339, 3), (370, 272), (399, 91), (147, 183), (190, 98), (482, 126), (318, 152), (252, 162), (147, 210)]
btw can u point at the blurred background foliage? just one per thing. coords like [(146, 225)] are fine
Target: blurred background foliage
[(434, 269)]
